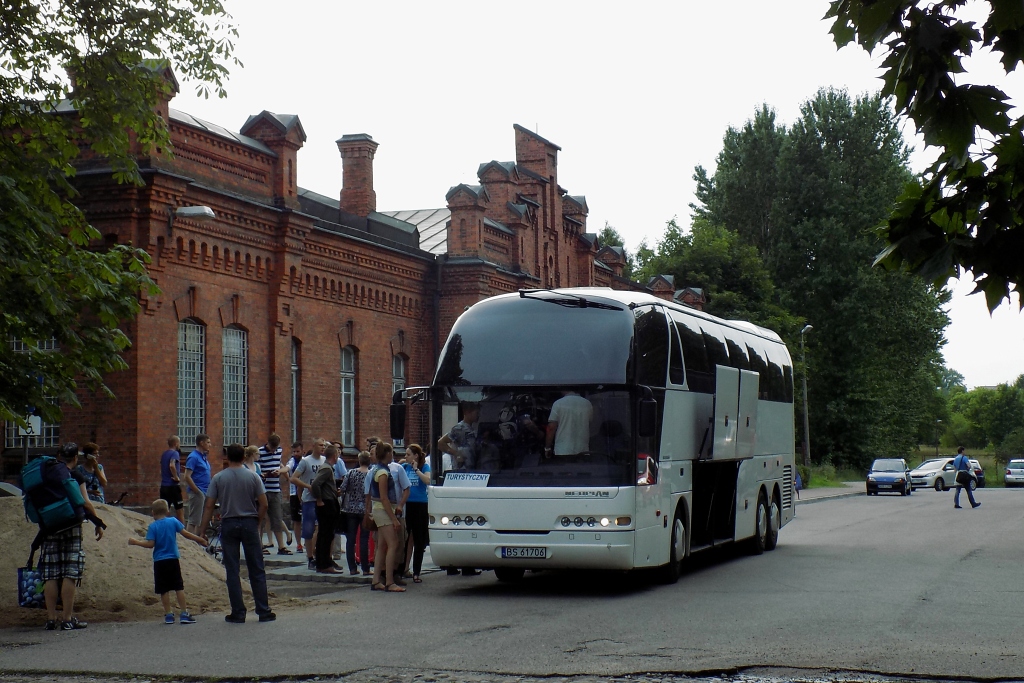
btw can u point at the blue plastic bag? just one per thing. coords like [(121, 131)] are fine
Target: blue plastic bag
[(30, 588)]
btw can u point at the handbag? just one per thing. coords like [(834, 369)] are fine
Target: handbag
[(31, 589), (368, 523)]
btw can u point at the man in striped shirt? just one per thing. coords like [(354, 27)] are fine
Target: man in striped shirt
[(270, 464)]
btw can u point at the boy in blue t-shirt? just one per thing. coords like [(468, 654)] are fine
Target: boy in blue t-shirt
[(162, 537)]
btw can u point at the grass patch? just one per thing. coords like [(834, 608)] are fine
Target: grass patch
[(827, 476)]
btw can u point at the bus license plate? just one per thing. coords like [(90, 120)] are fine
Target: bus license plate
[(515, 552)]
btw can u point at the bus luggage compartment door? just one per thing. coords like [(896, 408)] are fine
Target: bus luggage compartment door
[(746, 439), (727, 401)]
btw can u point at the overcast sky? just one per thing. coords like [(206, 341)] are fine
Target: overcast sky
[(636, 94)]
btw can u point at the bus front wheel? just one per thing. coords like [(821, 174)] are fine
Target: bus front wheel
[(509, 574), (759, 543), (677, 552)]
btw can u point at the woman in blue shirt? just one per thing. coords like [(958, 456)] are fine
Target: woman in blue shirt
[(416, 507)]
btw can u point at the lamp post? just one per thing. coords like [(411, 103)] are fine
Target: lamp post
[(807, 429), (937, 435)]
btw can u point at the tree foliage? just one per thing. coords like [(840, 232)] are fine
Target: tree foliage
[(81, 81), (873, 354), (967, 211), (985, 417)]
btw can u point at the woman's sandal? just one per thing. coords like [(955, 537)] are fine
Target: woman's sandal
[(394, 588), (417, 579), (378, 587)]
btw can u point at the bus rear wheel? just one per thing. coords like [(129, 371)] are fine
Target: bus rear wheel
[(509, 574), (759, 542), (772, 537)]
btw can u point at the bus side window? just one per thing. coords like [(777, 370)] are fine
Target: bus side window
[(714, 342), (776, 377), (787, 376), (675, 366), (737, 354), (651, 347), (699, 375), (759, 364)]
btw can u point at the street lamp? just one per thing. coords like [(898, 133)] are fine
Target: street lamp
[(937, 435), (196, 213), (807, 429)]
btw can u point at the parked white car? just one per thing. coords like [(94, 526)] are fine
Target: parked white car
[(1014, 474), (937, 473)]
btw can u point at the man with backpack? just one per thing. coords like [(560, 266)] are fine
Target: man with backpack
[(56, 499)]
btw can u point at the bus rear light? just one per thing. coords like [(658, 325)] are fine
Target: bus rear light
[(623, 521)]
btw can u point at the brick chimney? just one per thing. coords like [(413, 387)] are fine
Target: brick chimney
[(357, 195)]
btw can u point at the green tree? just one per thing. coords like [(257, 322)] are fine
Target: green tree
[(730, 271), (873, 353), (743, 191), (80, 83), (967, 211)]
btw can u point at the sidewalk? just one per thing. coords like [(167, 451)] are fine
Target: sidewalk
[(850, 488)]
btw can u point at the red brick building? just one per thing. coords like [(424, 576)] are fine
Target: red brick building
[(298, 313)]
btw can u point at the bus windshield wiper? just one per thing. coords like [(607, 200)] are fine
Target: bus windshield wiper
[(566, 299)]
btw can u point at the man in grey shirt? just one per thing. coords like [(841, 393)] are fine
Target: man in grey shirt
[(243, 505)]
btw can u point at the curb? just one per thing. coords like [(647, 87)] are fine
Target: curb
[(846, 494)]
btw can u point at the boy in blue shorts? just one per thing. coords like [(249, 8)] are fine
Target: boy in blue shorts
[(162, 537)]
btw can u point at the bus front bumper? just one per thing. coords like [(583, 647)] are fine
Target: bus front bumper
[(486, 549)]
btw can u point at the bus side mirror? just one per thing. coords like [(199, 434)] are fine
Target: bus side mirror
[(648, 418), (397, 421)]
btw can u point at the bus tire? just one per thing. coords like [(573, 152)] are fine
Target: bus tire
[(760, 540), (676, 552), (509, 574), (774, 517)]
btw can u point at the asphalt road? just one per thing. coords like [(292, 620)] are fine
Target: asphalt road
[(885, 585)]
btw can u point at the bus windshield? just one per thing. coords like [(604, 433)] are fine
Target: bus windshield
[(538, 342), (590, 441)]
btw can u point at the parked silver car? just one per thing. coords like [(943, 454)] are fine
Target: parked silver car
[(938, 473), (1014, 474)]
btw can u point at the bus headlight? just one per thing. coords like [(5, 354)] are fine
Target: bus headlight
[(445, 521), (481, 520), (591, 522), (469, 520), (605, 521), (566, 521), (432, 520), (578, 521)]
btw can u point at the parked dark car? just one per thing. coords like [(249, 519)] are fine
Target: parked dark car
[(889, 475)]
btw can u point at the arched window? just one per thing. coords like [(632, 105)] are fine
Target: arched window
[(191, 380), (348, 396), (398, 363), (296, 389), (236, 385)]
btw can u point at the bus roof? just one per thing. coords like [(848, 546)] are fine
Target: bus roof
[(634, 299)]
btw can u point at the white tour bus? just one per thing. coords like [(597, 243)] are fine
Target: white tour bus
[(687, 442)]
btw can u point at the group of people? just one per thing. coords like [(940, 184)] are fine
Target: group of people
[(380, 501)]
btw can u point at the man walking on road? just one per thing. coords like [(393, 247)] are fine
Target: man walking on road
[(197, 480), (243, 505), (964, 478)]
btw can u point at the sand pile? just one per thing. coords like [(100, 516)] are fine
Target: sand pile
[(118, 584)]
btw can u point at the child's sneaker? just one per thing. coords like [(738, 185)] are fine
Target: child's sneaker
[(187, 618), (169, 618)]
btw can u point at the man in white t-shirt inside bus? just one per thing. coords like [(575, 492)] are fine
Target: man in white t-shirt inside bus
[(568, 430)]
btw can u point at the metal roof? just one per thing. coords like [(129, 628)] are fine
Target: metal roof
[(432, 224), (220, 131)]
